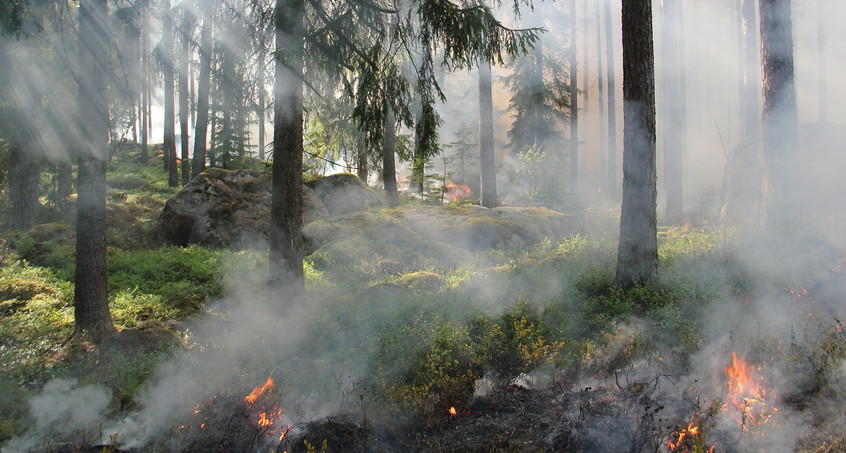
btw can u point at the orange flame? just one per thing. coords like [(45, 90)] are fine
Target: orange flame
[(452, 411), (746, 392), (455, 192), (257, 392)]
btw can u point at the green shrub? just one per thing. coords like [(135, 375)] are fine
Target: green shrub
[(183, 276)]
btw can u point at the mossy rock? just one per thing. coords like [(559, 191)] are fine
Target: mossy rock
[(16, 293), (342, 193), (56, 231), (422, 281), (23, 289)]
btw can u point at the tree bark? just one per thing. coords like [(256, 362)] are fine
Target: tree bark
[(637, 254), (487, 157), (24, 175), (611, 96), (601, 101), (145, 88), (779, 115), (821, 55), (184, 57), (286, 211), (361, 157), (169, 122), (389, 171), (201, 127), (262, 104), (574, 103), (673, 127), (91, 298), (750, 101)]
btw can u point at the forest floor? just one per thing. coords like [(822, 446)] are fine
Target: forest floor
[(737, 347)]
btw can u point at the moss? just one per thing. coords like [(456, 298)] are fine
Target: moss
[(421, 281), (23, 289)]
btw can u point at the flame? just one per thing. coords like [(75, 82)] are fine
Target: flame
[(688, 439), (746, 393), (452, 411), (272, 419), (257, 392), (455, 192)]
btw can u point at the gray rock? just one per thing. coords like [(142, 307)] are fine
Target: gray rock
[(343, 193), (224, 208)]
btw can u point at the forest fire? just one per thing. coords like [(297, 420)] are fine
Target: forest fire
[(688, 439), (264, 418), (746, 393), (456, 192)]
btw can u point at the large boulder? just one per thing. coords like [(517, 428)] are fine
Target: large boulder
[(223, 208), (343, 193), (819, 176)]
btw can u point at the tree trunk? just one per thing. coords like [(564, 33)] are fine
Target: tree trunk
[(361, 157), (603, 121), (574, 103), (821, 71), (145, 88), (750, 101), (673, 128), (65, 182), (24, 175), (637, 254), (262, 106), (185, 55), (286, 210), (169, 138), (389, 172), (91, 298), (780, 117), (612, 101), (487, 157), (201, 127), (585, 65)]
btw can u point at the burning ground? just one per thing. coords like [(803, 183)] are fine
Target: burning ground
[(524, 348)]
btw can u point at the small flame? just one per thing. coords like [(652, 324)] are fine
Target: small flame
[(257, 392), (455, 192), (688, 439), (453, 411)]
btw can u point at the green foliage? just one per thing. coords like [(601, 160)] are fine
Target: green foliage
[(517, 342), (184, 277), (433, 366)]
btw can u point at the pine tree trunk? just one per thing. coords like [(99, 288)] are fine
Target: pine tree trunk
[(611, 96), (145, 88), (673, 128), (361, 155), (389, 171), (487, 157), (169, 121), (64, 184), (780, 117), (821, 56), (262, 106), (574, 102), (185, 55), (637, 254), (286, 210), (201, 127), (750, 100), (24, 175), (603, 120), (583, 121), (91, 298)]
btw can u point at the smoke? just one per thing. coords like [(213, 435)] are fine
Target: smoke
[(63, 408)]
